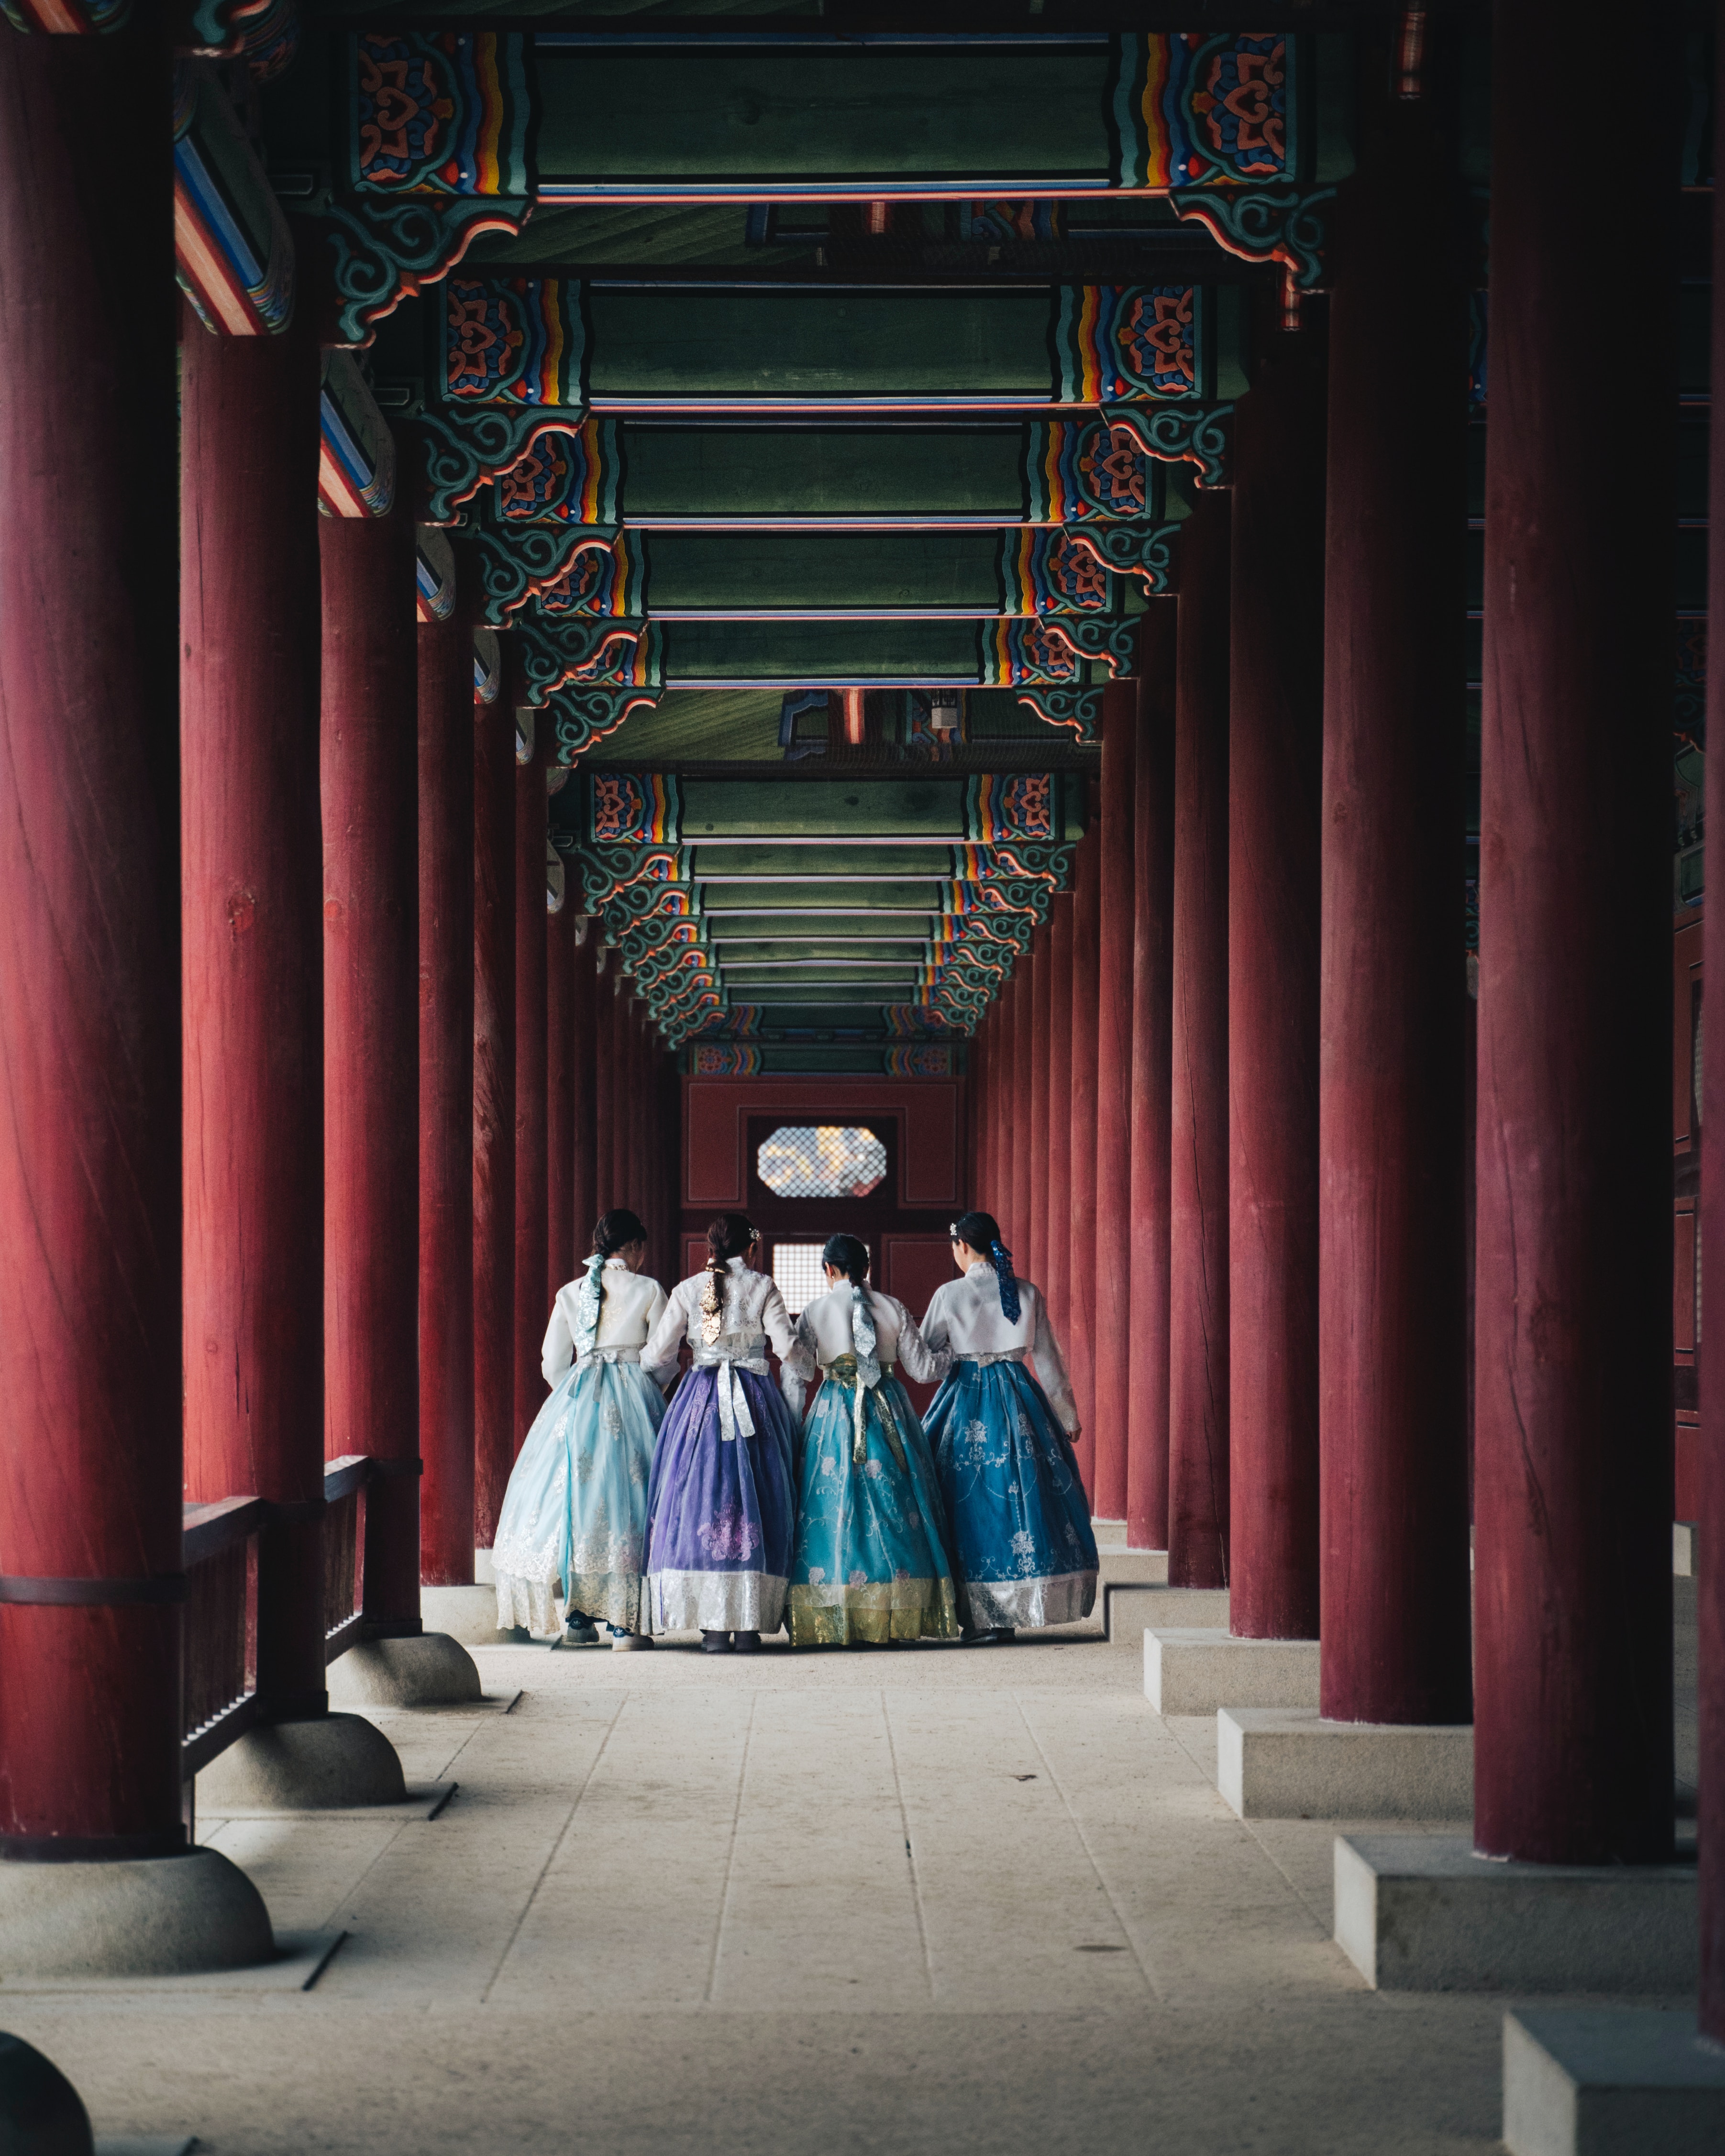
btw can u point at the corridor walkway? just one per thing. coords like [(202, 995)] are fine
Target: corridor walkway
[(930, 1899)]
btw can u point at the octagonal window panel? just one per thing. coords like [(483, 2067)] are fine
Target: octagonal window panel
[(822, 1160)]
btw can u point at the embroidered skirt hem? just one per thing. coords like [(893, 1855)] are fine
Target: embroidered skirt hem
[(1065, 1600), (882, 1610), (716, 1602)]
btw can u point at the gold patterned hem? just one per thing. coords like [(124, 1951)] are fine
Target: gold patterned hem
[(876, 1613)]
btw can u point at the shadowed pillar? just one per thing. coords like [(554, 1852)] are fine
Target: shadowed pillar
[(604, 1071), (1391, 1467), (531, 1230), (1057, 1228), (90, 1136), (583, 1013), (1710, 1589), (447, 719), (1146, 1463), (371, 1063), (1112, 1320), (559, 1100), (1197, 1357), (494, 790), (1573, 1429), (1274, 780), (253, 957), (1081, 1155), (1042, 1003)]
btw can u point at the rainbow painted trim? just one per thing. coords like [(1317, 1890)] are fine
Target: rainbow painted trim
[(917, 1062), (634, 808), (718, 1060), (1120, 344), (356, 462), (1042, 572), (1013, 652), (234, 254), (434, 573), (607, 579)]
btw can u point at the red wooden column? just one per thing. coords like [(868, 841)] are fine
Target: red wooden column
[(1392, 1466), (447, 718), (494, 790), (1057, 1219), (532, 1230), (1041, 1023), (605, 999), (1024, 1100), (90, 1154), (1111, 1307), (1198, 1359), (584, 1208), (1081, 1238), (250, 607), (1147, 1461), (1275, 781), (559, 1100), (370, 1060), (1710, 1590), (1573, 1312)]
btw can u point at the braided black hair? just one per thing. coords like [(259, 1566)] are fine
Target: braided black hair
[(982, 1232)]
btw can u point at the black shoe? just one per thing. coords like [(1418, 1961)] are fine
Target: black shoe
[(747, 1643), (716, 1643)]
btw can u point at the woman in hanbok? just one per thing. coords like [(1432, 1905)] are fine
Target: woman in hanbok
[(1003, 1438), (869, 1564), (721, 1507), (574, 1517)]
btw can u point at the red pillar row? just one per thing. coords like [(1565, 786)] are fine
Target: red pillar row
[(1710, 1587), (447, 717), (584, 1012), (494, 788), (1056, 1049), (1275, 781), (1146, 1465), (1024, 1100), (90, 1156), (253, 1018), (1111, 1287), (1573, 1316), (1198, 1369), (371, 1058), (1041, 1024), (559, 1100), (532, 1232), (1082, 1155), (1393, 1492)]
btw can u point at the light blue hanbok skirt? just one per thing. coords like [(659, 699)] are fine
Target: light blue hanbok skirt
[(870, 1560), (574, 1520), (1021, 1533)]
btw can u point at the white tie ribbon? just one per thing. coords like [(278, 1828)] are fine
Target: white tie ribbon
[(734, 1415)]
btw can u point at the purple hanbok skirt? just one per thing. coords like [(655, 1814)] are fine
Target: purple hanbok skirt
[(722, 1511)]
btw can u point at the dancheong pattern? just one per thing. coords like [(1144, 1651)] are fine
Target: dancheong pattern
[(1012, 652), (573, 478), (446, 114), (1016, 806), (1042, 573), (634, 809), (1080, 468), (608, 581), (1189, 109), (518, 340), (1116, 343)]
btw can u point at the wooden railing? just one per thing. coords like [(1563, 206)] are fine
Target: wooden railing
[(223, 1556)]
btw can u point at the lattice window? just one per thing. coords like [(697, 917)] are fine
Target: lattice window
[(796, 1267), (821, 1160)]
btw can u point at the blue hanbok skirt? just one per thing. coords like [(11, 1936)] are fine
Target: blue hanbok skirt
[(574, 1520), (721, 1509), (870, 1560), (1021, 1533)]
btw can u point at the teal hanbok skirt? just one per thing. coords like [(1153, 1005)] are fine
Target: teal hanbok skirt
[(1021, 1531), (870, 1560), (574, 1525)]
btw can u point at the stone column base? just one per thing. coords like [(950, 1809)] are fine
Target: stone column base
[(466, 1614), (1288, 1762), (428, 1670), (1195, 1670), (1601, 2081), (147, 1916), (1683, 1549), (1421, 1913), (1131, 1606), (327, 1762)]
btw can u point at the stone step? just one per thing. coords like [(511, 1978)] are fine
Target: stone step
[(1131, 1607)]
